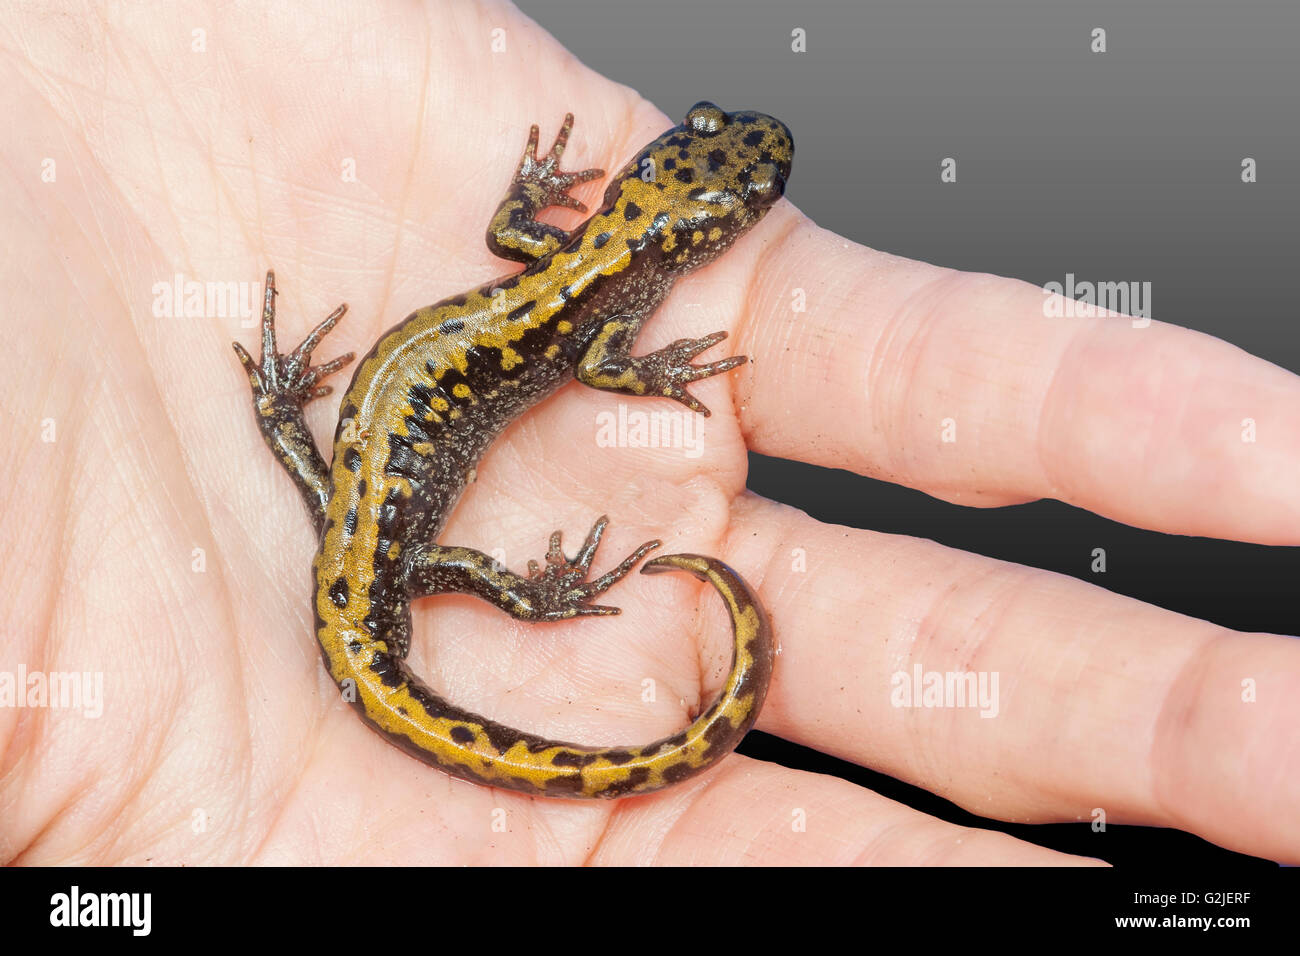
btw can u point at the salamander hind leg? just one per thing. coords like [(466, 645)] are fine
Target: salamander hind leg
[(282, 385), (606, 364), (514, 232), (556, 591)]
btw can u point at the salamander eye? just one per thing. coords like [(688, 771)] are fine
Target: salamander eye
[(705, 118), (765, 183)]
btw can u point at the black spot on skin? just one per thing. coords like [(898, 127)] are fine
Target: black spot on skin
[(685, 175), (354, 647), (501, 738), (388, 669), (350, 522), (361, 488), (462, 735), (416, 431), (339, 592), (451, 326), (669, 165), (421, 398), (566, 293), (753, 137), (677, 773), (571, 784), (352, 460), (683, 154), (402, 711), (631, 211), (636, 777), (720, 736), (717, 159), (452, 377), (516, 314), (572, 758), (532, 344), (599, 241), (433, 705), (403, 461), (678, 139), (618, 757)]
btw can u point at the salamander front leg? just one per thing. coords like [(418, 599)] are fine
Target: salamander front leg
[(282, 385), (554, 592), (606, 364), (514, 232)]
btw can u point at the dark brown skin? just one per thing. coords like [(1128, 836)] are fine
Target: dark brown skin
[(434, 392)]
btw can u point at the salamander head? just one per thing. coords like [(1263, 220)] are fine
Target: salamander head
[(703, 184)]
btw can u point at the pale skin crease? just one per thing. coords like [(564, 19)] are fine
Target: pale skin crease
[(157, 541)]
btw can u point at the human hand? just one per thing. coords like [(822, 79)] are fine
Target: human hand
[(161, 546)]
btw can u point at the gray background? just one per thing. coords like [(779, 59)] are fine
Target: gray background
[(1122, 166)]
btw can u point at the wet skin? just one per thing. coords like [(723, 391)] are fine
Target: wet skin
[(435, 391)]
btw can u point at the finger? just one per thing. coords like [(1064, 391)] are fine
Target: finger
[(588, 550), (562, 138), (958, 384), (328, 368), (301, 356), (254, 376), (693, 347), (748, 811), (554, 553), (597, 610), (564, 199), (608, 579), (268, 323), (1103, 702), (715, 368), (691, 402)]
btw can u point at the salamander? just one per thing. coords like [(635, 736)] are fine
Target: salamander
[(426, 402)]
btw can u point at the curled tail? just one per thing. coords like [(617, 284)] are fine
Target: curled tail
[(467, 745), (717, 731)]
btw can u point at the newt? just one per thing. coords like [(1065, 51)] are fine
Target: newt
[(426, 402)]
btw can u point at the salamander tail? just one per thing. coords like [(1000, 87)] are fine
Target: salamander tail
[(717, 731)]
